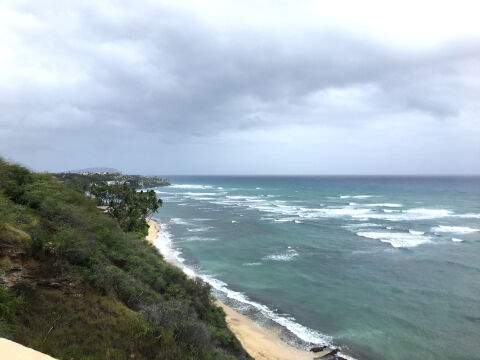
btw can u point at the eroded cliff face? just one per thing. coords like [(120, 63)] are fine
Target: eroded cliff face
[(27, 274)]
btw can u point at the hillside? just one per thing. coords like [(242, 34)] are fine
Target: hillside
[(74, 285)]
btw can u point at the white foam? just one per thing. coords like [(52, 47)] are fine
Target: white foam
[(360, 226), (198, 238), (411, 214), (234, 221), (397, 239), (288, 255), (200, 229), (164, 244), (413, 232), (201, 198), (179, 221), (457, 240), (304, 333), (454, 229), (190, 186), (240, 197), (385, 205), (468, 216), (356, 196)]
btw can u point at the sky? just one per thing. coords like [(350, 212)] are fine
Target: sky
[(241, 87)]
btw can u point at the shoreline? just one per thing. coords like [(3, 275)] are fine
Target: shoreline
[(259, 342)]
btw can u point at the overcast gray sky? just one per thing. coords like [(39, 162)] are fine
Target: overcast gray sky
[(242, 87)]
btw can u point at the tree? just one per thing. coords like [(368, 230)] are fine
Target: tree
[(130, 207)]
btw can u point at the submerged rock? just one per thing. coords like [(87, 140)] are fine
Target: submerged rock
[(318, 349), (331, 353)]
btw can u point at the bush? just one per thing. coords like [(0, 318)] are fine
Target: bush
[(9, 305)]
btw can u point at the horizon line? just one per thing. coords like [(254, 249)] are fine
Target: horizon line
[(325, 175)]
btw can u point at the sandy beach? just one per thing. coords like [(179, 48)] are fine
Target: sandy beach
[(260, 343)]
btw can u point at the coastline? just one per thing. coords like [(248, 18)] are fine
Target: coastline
[(259, 342)]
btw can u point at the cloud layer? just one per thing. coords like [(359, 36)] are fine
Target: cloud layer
[(171, 87)]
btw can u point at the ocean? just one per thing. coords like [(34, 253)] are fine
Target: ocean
[(381, 267)]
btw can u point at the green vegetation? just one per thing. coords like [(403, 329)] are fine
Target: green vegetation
[(73, 284), (85, 181), (130, 207)]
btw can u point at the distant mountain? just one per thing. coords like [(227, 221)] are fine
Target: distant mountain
[(95, 170)]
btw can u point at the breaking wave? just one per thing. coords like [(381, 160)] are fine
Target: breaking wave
[(397, 240)]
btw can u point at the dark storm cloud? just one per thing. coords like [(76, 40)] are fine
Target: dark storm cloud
[(85, 71)]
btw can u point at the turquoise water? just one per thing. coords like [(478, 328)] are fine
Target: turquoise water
[(382, 267)]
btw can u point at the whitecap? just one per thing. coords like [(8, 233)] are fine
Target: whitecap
[(252, 264), (412, 214), (361, 225), (413, 232), (198, 238), (234, 221), (179, 221), (397, 239), (356, 196), (190, 186), (200, 229), (457, 240), (454, 229), (288, 255), (385, 205), (201, 198), (468, 216)]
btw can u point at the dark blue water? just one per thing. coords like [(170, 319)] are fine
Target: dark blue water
[(383, 267)]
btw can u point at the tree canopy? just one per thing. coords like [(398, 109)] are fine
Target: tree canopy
[(130, 207)]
